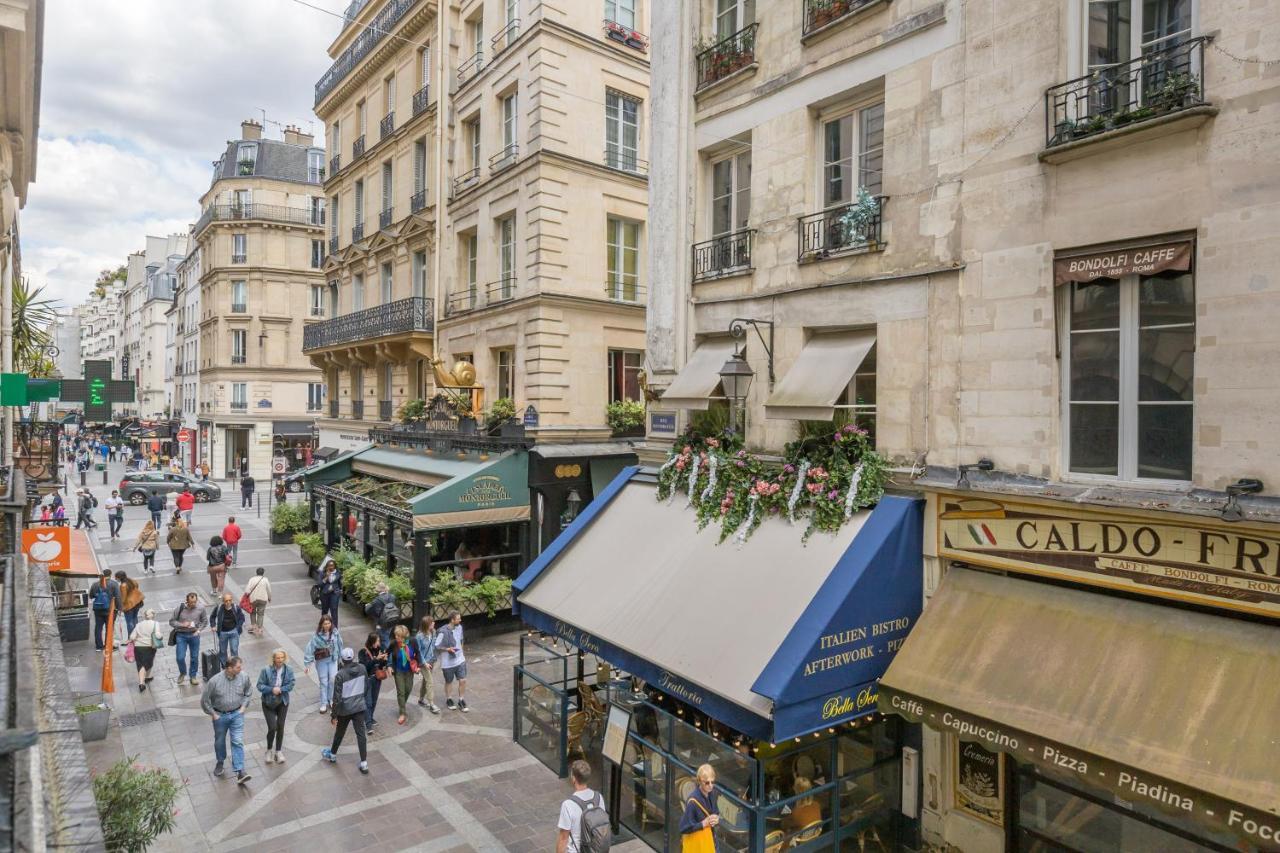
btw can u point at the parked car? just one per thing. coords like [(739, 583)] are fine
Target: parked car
[(137, 486), (295, 481)]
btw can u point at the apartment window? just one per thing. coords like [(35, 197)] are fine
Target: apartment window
[(1130, 347), (333, 299), (239, 248), (419, 166), (472, 254), (317, 300), (730, 194), (317, 254), (858, 399), (475, 30), (390, 85), (357, 292), (1117, 31), (315, 396), (333, 220), (241, 200), (387, 382), (852, 155), (420, 274), (623, 259), (239, 346), (621, 12), (621, 131), (387, 283), (506, 361), (733, 15), (246, 158), (239, 395), (361, 117), (513, 10), (239, 297), (473, 141), (359, 193), (335, 139), (509, 121), (424, 66), (317, 210), (507, 254), (315, 166), (624, 374), (357, 385), (420, 374)]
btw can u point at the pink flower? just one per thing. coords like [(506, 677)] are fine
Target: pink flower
[(687, 450), (742, 454), (788, 469), (680, 464), (713, 442), (724, 510), (814, 488), (741, 464), (818, 473), (773, 510), (831, 495)]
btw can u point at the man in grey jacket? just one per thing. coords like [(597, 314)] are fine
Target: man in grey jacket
[(188, 620), (225, 699), (348, 708)]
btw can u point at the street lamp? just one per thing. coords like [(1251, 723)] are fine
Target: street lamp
[(735, 379), (572, 505)]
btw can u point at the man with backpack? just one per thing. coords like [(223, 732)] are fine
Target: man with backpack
[(584, 822), (101, 596), (84, 510), (385, 611)]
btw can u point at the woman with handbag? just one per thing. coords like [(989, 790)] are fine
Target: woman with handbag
[(701, 815), (404, 666), (179, 540), (145, 639), (132, 598), (373, 657), (218, 559), (146, 544), (257, 595), (322, 650), (275, 683)]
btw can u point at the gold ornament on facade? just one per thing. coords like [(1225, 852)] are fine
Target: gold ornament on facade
[(463, 374)]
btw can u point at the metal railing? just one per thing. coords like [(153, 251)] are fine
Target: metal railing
[(333, 245), (461, 303), (502, 290), (357, 147), (317, 311), (726, 56), (625, 161), (357, 410), (504, 158), (415, 314), (418, 201), (1158, 83), (619, 290), (253, 211), (366, 41), (823, 13), (239, 307), (506, 36), (239, 405), (384, 219), (335, 163), (239, 359), (357, 233), (318, 216), (239, 259), (466, 180), (421, 99), (333, 408), (836, 231), (471, 67), (727, 254), (385, 409), (628, 36), (387, 126)]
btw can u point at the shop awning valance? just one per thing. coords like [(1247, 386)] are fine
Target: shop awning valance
[(825, 367), (491, 492), (696, 382), (1171, 708), (292, 429), (775, 638), (1114, 262)]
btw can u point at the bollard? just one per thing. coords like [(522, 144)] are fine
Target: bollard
[(104, 475), (82, 482)]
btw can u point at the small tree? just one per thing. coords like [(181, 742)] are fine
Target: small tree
[(135, 804)]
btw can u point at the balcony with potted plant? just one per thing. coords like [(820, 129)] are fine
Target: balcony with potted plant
[(721, 59)]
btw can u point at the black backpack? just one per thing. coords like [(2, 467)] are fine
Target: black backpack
[(315, 595), (594, 832)]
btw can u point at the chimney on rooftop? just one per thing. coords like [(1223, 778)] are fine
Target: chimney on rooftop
[(250, 129), (295, 136)]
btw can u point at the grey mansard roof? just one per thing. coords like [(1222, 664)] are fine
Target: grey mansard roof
[(276, 159)]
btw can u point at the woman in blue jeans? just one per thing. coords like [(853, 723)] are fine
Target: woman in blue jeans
[(374, 659), (323, 649)]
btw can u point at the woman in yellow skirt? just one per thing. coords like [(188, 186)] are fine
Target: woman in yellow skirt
[(701, 815)]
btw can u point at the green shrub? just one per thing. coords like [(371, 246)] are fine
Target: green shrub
[(290, 518), (493, 591), (500, 411), (311, 546), (135, 804), (401, 588), (413, 411), (625, 415), (447, 591), (366, 587)]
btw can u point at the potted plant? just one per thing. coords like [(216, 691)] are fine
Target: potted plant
[(135, 804), (625, 417), (94, 715), (1179, 90), (501, 412), (287, 520), (311, 547), (245, 167), (493, 592), (821, 11), (1096, 124), (413, 411)]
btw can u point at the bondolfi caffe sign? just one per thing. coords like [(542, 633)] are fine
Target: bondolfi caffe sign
[(1226, 566), (1117, 263)]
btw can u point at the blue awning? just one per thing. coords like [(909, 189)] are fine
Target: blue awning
[(775, 638)]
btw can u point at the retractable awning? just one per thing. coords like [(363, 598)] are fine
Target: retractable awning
[(493, 492), (820, 374), (1174, 709), (696, 382), (811, 627), (418, 469)]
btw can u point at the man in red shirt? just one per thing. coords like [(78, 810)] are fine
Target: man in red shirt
[(185, 503), (231, 534)]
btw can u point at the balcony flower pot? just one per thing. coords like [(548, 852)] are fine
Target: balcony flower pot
[(95, 717), (245, 167)]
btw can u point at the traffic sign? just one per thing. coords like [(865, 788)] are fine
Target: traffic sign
[(184, 435), (279, 465)]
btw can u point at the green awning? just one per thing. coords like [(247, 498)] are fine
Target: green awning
[(495, 492), (332, 471)]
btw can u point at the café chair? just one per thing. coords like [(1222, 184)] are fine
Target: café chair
[(577, 728), (808, 832), (773, 841)]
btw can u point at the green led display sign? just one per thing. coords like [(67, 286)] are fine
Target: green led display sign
[(98, 391)]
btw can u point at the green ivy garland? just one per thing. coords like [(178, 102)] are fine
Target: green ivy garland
[(724, 483)]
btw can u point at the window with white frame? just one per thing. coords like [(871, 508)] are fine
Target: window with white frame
[(317, 300), (621, 12), (733, 15), (315, 166), (621, 131), (852, 154), (387, 187), (624, 374), (858, 400), (239, 297), (317, 254), (472, 260), (315, 396), (361, 117), (239, 248), (359, 193), (388, 283), (424, 66), (317, 210), (389, 86), (730, 194), (246, 157), (419, 272), (1117, 31), (506, 361), (239, 395), (473, 141), (333, 219), (239, 346), (1129, 354), (623, 252), (509, 123), (241, 200), (333, 299), (357, 292), (357, 384), (507, 254), (419, 166), (335, 139), (386, 381)]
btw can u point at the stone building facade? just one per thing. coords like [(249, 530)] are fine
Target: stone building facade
[(146, 297)]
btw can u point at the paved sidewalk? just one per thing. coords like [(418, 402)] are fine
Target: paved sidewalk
[(456, 782)]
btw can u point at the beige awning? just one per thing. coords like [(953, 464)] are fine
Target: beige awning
[(819, 376), (1140, 693), (693, 386)]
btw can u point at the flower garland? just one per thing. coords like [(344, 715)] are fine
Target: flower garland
[(822, 482)]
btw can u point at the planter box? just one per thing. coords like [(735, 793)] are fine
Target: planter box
[(94, 724), (511, 429), (281, 538), (73, 625), (470, 608)]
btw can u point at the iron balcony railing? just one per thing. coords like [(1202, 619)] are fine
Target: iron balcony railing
[(823, 13), (317, 310), (335, 163), (504, 158), (502, 290), (317, 216), (1160, 82), (839, 231), (384, 410), (623, 34), (727, 254), (387, 126), (473, 65), (352, 10), (418, 201), (253, 211), (366, 41), (239, 359), (239, 405), (726, 56), (333, 245), (239, 259), (622, 290), (466, 180), (357, 233), (357, 410), (384, 219), (239, 308), (333, 408), (414, 314), (506, 36), (357, 147), (435, 436), (625, 161), (460, 303), (421, 99)]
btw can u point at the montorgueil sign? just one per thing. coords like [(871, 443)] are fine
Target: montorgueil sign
[(1223, 565), (1117, 263)]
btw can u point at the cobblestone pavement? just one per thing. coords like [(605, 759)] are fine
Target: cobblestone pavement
[(456, 782)]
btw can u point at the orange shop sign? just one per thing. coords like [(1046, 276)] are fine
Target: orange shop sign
[(48, 545)]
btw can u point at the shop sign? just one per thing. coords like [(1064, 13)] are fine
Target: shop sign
[(1253, 826), (662, 423), (615, 734), (1140, 260), (486, 492), (979, 782), (827, 710), (1221, 565)]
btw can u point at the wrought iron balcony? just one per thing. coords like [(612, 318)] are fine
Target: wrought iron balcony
[(628, 36), (357, 148), (839, 231), (726, 56), (421, 99), (239, 259), (387, 126), (253, 211), (418, 201), (333, 408), (415, 314), (317, 311), (366, 41), (823, 13), (357, 233), (625, 161), (333, 245), (385, 410), (504, 158), (1159, 83), (506, 36), (335, 163), (728, 254), (502, 290), (239, 359), (466, 181), (239, 405), (357, 410), (239, 308), (461, 303), (384, 219), (471, 67), (622, 290), (317, 216)]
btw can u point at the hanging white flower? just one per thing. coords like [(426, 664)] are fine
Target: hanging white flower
[(740, 537), (852, 498), (693, 478), (713, 463), (794, 498)]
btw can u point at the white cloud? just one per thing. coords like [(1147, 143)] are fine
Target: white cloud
[(138, 97)]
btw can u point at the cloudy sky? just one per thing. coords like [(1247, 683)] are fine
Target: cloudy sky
[(139, 97)]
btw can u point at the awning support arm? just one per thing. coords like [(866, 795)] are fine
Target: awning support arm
[(738, 330)]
